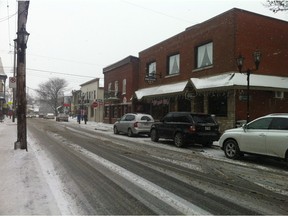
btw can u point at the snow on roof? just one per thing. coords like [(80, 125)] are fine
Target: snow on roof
[(238, 79), (163, 89), (219, 81)]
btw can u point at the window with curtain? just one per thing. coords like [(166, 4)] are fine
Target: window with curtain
[(152, 69), (174, 64), (116, 88), (204, 55), (124, 86)]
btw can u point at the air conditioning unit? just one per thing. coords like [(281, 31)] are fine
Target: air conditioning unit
[(279, 94)]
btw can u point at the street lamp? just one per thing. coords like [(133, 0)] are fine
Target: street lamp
[(240, 62), (22, 38)]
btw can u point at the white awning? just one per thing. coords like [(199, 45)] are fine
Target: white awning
[(219, 81), (238, 79), (161, 90)]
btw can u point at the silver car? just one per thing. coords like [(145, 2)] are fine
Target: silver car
[(267, 135), (133, 124)]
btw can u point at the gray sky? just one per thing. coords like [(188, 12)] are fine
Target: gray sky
[(81, 37)]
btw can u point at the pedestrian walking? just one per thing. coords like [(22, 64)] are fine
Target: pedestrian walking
[(79, 116)]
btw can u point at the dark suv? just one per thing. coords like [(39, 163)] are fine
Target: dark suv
[(186, 127)]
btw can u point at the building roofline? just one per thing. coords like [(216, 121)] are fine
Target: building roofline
[(198, 25), (120, 63), (90, 81)]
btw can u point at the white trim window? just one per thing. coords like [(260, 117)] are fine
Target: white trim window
[(279, 94), (152, 69), (205, 55), (109, 87), (124, 86), (116, 88), (174, 64)]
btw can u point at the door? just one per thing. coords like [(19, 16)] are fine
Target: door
[(253, 139)]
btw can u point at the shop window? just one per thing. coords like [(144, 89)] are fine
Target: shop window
[(217, 104), (174, 64), (204, 55)]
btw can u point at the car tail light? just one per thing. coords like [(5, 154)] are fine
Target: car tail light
[(192, 129), (135, 124)]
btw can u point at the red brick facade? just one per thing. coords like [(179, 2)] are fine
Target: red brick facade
[(226, 36), (119, 102)]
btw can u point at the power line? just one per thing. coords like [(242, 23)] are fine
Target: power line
[(46, 71)]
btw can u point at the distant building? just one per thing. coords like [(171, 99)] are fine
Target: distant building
[(90, 98), (3, 104), (120, 83)]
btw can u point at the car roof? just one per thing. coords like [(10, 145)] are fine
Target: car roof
[(279, 115)]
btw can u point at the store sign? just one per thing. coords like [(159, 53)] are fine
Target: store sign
[(190, 95)]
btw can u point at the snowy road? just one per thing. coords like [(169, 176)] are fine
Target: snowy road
[(97, 172)]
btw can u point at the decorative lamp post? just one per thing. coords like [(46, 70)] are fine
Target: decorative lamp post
[(240, 62), (22, 38)]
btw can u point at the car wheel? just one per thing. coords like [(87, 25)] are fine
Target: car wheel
[(154, 135), (130, 133), (231, 149), (115, 130), (179, 140)]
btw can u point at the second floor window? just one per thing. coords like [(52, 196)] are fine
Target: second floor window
[(204, 55), (174, 64), (116, 88), (109, 87), (124, 86), (152, 69)]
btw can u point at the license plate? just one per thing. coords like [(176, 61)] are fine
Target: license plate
[(207, 128)]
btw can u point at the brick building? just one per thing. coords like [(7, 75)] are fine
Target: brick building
[(196, 69), (120, 83)]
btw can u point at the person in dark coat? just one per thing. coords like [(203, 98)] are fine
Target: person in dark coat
[(85, 116), (79, 116)]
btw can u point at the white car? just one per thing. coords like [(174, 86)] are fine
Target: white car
[(49, 116), (267, 135), (133, 124)]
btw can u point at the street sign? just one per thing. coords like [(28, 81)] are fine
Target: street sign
[(12, 82), (94, 104)]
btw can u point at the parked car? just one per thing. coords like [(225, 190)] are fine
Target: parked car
[(49, 116), (62, 117), (186, 127), (133, 124), (267, 135)]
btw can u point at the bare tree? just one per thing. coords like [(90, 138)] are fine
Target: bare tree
[(50, 92), (277, 5)]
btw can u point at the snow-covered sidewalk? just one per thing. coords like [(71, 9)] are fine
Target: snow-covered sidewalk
[(23, 189)]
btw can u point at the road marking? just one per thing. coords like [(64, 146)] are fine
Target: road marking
[(169, 198)]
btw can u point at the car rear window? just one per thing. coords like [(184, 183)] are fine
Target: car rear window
[(146, 118), (202, 119)]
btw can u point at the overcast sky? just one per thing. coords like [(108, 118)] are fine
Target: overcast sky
[(76, 39)]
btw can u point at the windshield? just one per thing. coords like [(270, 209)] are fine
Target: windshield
[(203, 119)]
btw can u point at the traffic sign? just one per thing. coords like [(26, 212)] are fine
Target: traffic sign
[(12, 82), (94, 104)]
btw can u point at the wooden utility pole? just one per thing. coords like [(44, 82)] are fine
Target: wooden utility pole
[(22, 37)]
